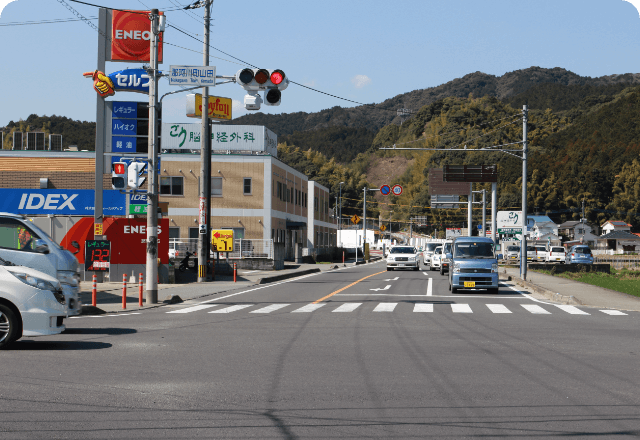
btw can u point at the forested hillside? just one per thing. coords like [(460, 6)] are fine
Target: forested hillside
[(80, 133)]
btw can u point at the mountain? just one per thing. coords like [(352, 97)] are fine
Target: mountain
[(80, 133), (374, 117)]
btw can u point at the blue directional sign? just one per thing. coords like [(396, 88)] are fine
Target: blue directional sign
[(385, 190), (131, 80)]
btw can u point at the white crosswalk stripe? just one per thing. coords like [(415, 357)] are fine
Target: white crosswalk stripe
[(232, 309), (535, 309), (194, 308), (348, 307), (461, 308), (385, 307), (271, 308), (614, 312), (571, 309), (309, 308), (498, 308), (423, 307)]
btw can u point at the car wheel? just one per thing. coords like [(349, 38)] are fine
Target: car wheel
[(441, 271), (493, 291), (388, 269), (8, 326), (416, 268), (454, 289)]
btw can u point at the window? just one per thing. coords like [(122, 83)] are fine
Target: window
[(174, 233), (247, 186), (315, 203), (216, 187), (15, 235), (194, 232), (305, 200), (296, 199), (172, 186), (279, 190)]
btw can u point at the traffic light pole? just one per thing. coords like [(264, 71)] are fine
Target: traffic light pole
[(151, 292), (205, 164), (523, 247)]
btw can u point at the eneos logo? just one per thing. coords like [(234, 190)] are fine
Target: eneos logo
[(131, 35)]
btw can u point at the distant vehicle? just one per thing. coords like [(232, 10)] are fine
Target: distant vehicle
[(541, 253), (31, 303), (428, 252), (557, 253), (474, 265), (513, 253), (445, 262), (436, 259), (403, 257), (532, 253), (579, 254)]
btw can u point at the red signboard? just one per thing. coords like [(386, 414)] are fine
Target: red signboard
[(131, 36), (127, 236)]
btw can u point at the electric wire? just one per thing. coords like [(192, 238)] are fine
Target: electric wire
[(52, 21)]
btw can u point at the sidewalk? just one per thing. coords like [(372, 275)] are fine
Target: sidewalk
[(561, 289), (109, 295)]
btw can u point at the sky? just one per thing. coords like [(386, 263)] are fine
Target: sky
[(363, 51)]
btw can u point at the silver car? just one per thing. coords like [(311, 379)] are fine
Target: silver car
[(513, 253), (403, 257)]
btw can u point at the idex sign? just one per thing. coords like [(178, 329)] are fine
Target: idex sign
[(59, 201), (131, 35)]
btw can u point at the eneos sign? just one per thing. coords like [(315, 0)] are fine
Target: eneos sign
[(131, 36)]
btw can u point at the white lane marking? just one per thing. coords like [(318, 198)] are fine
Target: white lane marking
[(194, 308), (385, 288), (251, 271), (535, 309), (385, 307), (271, 308), (232, 309), (309, 308), (613, 312), (461, 308), (392, 279), (528, 296), (423, 307), (348, 307), (422, 295), (104, 316), (498, 308), (426, 273), (430, 287), (571, 309)]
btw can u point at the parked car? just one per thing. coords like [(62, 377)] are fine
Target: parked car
[(513, 253), (436, 259), (24, 244), (579, 254), (445, 261), (403, 257), (428, 252), (541, 253), (532, 253), (474, 265), (31, 303), (556, 253)]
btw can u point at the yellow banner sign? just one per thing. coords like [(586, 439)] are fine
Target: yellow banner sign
[(219, 108), (97, 229), (222, 240)]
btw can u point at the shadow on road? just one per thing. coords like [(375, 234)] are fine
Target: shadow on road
[(26, 345), (99, 331)]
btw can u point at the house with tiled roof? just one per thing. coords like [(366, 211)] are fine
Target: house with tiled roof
[(618, 242), (576, 232), (615, 225)]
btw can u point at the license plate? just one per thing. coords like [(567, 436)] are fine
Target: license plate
[(401, 264), (469, 284)]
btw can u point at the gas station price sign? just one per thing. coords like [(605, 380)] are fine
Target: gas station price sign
[(97, 255)]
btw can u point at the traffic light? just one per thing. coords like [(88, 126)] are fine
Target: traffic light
[(255, 80), (134, 172), (118, 171)]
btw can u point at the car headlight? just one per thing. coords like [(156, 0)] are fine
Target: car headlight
[(494, 267), (68, 277), (456, 268), (389, 258), (41, 284), (412, 259)]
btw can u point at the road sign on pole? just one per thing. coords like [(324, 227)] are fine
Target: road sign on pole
[(385, 190), (355, 219), (222, 240), (397, 190), (383, 228)]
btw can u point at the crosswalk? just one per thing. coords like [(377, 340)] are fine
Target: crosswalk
[(417, 307)]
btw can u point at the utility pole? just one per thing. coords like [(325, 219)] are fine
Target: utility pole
[(151, 292), (470, 211), (364, 223), (523, 247), (205, 164), (484, 212)]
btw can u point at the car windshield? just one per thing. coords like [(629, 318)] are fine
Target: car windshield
[(582, 250), (557, 249), (438, 250), (531, 249), (432, 246), (474, 250), (541, 249), (513, 249), (447, 248), (403, 250)]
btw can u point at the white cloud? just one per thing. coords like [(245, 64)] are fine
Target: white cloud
[(360, 81), (4, 3), (311, 83), (635, 3)]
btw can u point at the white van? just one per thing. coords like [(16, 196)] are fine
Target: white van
[(31, 304), (24, 244)]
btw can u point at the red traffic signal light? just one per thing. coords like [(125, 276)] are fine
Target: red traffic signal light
[(118, 171), (277, 76), (119, 167)]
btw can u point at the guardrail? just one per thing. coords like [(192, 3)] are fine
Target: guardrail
[(242, 248)]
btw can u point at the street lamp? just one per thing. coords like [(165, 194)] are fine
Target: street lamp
[(340, 214)]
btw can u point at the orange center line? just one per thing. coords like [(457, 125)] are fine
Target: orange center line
[(346, 287)]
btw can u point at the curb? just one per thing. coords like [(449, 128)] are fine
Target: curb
[(546, 293), (285, 276)]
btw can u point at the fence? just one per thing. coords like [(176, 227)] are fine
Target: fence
[(619, 261), (241, 248)]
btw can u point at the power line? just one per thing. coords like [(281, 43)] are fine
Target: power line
[(52, 21)]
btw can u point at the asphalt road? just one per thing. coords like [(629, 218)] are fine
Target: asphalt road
[(332, 355)]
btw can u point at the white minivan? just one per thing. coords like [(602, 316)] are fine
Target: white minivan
[(31, 304), (24, 244)]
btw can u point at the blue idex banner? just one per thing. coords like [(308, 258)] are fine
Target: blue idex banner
[(60, 201)]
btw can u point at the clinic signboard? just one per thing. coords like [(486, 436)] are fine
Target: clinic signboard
[(59, 201), (510, 222)]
